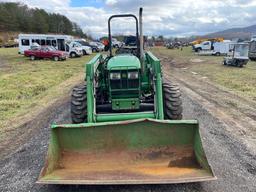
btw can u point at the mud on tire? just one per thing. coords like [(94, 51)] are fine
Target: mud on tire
[(172, 101), (79, 104)]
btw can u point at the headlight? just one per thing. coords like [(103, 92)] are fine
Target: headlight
[(133, 75), (115, 76)]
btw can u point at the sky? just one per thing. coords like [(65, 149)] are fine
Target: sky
[(160, 17)]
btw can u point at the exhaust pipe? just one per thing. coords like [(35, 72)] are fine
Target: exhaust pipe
[(141, 41)]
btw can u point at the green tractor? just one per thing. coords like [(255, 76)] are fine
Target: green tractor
[(127, 126)]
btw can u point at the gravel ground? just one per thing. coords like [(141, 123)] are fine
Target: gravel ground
[(233, 163)]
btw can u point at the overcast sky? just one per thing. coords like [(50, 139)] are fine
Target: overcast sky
[(165, 17)]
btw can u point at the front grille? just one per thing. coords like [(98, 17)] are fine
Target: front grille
[(124, 87), (115, 84), (124, 82), (133, 83)]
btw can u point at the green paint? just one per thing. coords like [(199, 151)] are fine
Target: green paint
[(131, 103), (159, 94), (124, 116), (120, 62), (91, 68), (90, 100)]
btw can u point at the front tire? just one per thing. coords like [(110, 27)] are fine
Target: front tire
[(32, 58), (72, 55), (56, 58), (172, 101), (79, 105)]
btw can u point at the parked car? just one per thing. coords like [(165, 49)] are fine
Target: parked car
[(85, 43), (74, 50), (116, 43), (87, 50), (100, 46), (45, 52)]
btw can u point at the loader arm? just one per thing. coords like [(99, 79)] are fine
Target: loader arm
[(152, 63)]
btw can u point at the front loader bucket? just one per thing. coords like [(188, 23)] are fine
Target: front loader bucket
[(143, 151)]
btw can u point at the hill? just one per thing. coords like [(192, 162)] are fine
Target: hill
[(242, 33)]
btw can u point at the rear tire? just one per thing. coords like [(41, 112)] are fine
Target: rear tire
[(172, 101), (79, 105)]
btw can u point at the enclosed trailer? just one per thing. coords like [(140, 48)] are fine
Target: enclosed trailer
[(221, 48)]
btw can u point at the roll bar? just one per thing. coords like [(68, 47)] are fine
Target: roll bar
[(137, 32)]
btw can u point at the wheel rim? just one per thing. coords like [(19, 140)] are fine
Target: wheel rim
[(56, 58), (32, 57)]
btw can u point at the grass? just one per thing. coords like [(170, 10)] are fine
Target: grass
[(24, 83), (240, 80)]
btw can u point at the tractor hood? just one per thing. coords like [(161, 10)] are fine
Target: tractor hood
[(124, 61)]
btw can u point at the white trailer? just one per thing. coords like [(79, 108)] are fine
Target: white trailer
[(221, 48), (217, 48), (57, 41)]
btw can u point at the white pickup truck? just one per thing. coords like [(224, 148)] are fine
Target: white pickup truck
[(206, 45), (74, 50), (86, 50), (116, 43)]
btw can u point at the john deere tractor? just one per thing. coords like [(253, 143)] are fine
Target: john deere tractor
[(127, 126)]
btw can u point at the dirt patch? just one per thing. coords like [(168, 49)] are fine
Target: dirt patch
[(174, 63), (4, 64), (196, 60)]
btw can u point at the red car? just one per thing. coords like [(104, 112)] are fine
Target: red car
[(45, 52)]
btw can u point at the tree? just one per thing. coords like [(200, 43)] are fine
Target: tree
[(18, 17), (39, 24)]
